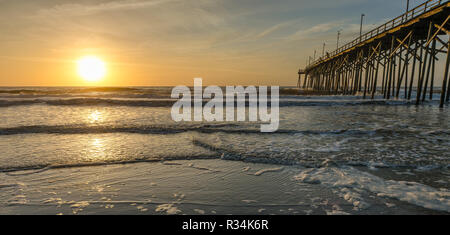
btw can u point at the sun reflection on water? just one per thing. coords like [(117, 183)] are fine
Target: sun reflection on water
[(97, 143), (95, 116), (96, 149)]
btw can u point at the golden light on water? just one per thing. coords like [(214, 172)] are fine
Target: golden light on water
[(95, 116), (97, 143), (91, 68), (97, 149)]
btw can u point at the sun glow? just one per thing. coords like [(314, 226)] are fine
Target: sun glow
[(91, 68), (95, 116)]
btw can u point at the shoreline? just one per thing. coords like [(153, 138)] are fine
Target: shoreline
[(192, 187)]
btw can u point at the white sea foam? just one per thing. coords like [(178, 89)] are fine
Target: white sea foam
[(337, 211), (350, 183), (201, 212), (170, 209), (142, 208), (260, 172), (79, 206)]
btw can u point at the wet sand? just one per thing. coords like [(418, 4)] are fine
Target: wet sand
[(193, 187)]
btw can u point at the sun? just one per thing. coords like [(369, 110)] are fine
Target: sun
[(91, 68)]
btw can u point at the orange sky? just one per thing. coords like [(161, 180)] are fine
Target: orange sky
[(169, 42)]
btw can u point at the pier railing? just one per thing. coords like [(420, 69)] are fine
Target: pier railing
[(411, 14)]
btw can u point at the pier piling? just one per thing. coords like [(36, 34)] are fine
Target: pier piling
[(407, 45)]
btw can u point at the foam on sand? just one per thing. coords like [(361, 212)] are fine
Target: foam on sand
[(351, 183), (170, 209), (154, 188), (260, 172)]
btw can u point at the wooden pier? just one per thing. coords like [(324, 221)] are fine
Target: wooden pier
[(401, 55)]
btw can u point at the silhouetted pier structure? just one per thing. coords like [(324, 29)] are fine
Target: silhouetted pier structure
[(402, 53)]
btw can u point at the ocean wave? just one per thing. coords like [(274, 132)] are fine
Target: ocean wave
[(86, 101), (137, 129), (350, 184), (298, 157), (52, 91), (223, 154), (34, 169), (228, 128), (118, 90), (218, 151)]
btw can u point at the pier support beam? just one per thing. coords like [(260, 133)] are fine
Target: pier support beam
[(406, 50), (444, 95)]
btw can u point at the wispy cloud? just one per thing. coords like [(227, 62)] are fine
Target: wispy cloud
[(276, 27), (271, 37), (87, 9), (315, 30)]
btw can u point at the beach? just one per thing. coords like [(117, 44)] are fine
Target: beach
[(117, 151), (197, 187)]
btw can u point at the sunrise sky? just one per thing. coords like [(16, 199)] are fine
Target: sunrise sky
[(169, 42)]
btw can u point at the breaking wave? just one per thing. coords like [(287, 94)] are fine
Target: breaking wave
[(169, 102), (135, 129), (230, 128), (34, 169)]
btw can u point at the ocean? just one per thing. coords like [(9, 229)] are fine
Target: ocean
[(75, 150)]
